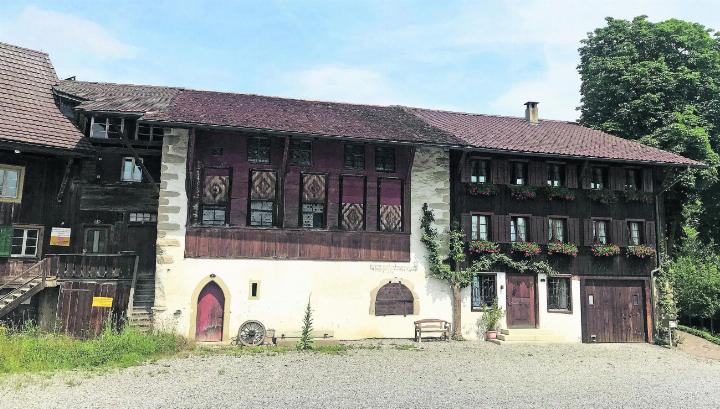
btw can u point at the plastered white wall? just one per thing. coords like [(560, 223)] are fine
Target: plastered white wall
[(564, 324)]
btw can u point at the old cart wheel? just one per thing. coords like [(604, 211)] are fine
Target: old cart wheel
[(251, 333)]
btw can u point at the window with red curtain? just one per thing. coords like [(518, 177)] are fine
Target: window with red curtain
[(352, 212), (390, 192)]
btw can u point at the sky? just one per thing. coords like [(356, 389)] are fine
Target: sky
[(472, 56)]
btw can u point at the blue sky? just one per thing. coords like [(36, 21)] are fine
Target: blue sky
[(475, 56)]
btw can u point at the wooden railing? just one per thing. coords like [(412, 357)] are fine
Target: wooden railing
[(38, 270), (92, 266)]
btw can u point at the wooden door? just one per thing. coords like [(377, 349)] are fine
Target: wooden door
[(210, 314), (521, 301), (75, 306), (614, 311), (141, 239)]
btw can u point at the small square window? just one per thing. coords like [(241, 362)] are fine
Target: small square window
[(483, 291), (385, 159), (300, 152), (354, 156), (480, 172), (556, 175), (25, 242), (261, 213), (259, 150), (96, 240), (131, 171), (213, 216), (559, 294), (136, 217)]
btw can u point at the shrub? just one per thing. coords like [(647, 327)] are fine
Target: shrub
[(483, 246), (559, 193), (526, 248), (523, 192), (481, 189), (603, 196), (566, 249), (492, 316), (640, 251), (305, 342), (605, 250)]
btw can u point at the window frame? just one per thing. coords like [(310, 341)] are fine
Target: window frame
[(273, 212), (152, 217), (514, 224), (304, 145), (513, 176), (604, 176), (38, 245), (135, 164), (551, 230), (641, 232), (151, 135), (364, 203), (403, 224), (20, 183), (301, 211), (638, 179), (250, 149), (473, 294), (382, 166), (561, 182), (608, 228), (107, 126), (476, 165), (569, 300), (354, 156), (97, 227), (475, 227)]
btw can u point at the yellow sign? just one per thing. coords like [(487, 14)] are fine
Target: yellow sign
[(60, 236), (102, 302)]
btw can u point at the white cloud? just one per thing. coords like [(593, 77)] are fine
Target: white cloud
[(74, 43)]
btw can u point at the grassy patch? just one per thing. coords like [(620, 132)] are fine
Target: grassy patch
[(700, 333), (31, 350)]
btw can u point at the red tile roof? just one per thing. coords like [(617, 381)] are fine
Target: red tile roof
[(28, 112), (109, 97), (548, 137)]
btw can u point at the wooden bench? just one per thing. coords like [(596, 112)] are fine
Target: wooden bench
[(434, 328)]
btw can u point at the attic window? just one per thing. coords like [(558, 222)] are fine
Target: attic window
[(103, 127), (149, 133)]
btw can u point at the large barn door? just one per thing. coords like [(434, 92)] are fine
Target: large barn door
[(210, 314), (614, 311)]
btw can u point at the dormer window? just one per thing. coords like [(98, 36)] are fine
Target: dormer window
[(105, 127)]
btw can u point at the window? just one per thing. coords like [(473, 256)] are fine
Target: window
[(215, 196), (352, 211), (385, 159), (599, 178), (518, 229), (556, 175), (11, 183), (519, 173), (635, 228), (300, 152), (106, 127), (262, 198), (354, 156), (390, 218), (480, 172), (483, 291), (134, 217), (25, 242), (480, 227), (131, 171), (149, 133), (254, 290), (313, 201), (259, 150), (394, 299), (633, 179), (556, 231), (600, 231), (559, 298), (96, 240)]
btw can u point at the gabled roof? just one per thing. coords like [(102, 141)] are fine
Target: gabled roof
[(123, 98), (548, 137), (29, 115)]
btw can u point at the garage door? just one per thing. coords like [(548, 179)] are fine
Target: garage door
[(614, 311)]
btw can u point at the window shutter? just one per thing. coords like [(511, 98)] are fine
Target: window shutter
[(391, 212), (499, 172), (537, 173), (571, 176), (539, 229), (617, 178), (500, 228), (650, 233), (5, 240), (619, 233), (466, 220), (647, 180), (585, 176), (573, 226), (587, 232), (466, 169)]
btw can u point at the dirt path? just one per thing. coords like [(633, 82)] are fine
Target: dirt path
[(699, 347)]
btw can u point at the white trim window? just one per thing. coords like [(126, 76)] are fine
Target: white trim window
[(518, 229), (25, 242), (11, 178), (105, 127), (480, 227), (142, 217), (131, 171), (556, 230)]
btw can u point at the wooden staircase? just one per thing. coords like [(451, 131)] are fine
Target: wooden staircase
[(23, 286)]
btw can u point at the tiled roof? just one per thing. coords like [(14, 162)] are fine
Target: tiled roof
[(309, 117), (28, 112), (103, 96), (554, 138)]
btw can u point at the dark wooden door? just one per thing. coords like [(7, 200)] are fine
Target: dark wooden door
[(141, 240), (614, 311), (210, 314), (75, 306), (521, 301)]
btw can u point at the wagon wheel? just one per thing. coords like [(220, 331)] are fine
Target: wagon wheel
[(251, 333)]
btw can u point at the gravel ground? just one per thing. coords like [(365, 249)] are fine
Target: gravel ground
[(435, 375)]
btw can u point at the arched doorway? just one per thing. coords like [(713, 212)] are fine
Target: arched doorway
[(210, 313)]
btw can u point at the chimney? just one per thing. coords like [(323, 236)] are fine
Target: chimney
[(531, 112)]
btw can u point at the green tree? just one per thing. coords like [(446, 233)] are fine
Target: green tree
[(659, 83)]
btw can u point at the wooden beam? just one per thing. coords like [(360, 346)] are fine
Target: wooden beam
[(66, 176), (281, 180)]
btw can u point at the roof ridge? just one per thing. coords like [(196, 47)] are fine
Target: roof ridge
[(448, 111), (122, 84), (24, 48)]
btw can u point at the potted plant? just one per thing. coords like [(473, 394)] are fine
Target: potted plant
[(605, 250), (565, 249), (525, 248), (491, 318), (483, 246)]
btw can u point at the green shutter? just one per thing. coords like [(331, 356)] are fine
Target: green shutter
[(6, 233)]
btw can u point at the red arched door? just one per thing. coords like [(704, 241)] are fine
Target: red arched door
[(210, 313)]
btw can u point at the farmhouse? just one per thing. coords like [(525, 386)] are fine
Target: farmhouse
[(258, 205)]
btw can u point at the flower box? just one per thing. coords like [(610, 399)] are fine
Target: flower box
[(603, 196), (559, 193), (641, 251), (564, 249), (483, 246), (605, 250), (637, 196), (523, 192), (526, 248), (481, 189)]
